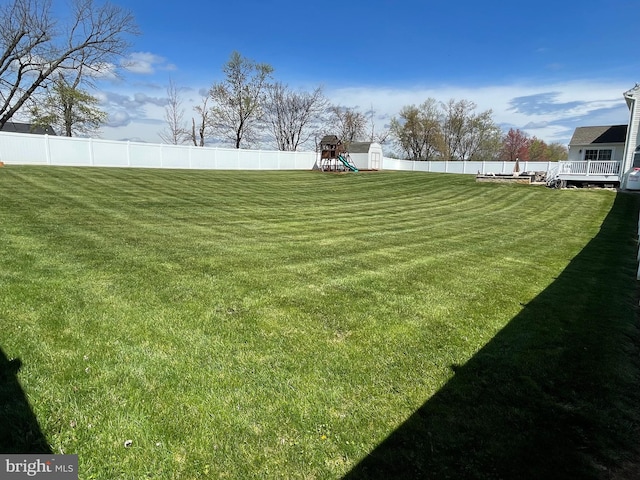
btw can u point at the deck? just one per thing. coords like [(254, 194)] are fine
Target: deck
[(596, 171)]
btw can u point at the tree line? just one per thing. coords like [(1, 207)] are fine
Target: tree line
[(455, 131), (48, 67), (248, 108)]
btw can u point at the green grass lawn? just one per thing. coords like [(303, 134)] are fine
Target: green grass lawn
[(307, 325)]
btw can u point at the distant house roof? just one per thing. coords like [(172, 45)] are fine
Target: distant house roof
[(18, 127), (604, 134)]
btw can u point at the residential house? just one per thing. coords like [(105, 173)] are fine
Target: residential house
[(604, 154)]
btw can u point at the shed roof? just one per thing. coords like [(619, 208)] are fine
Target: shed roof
[(359, 147), (602, 134)]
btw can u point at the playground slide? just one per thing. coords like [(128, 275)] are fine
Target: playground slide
[(347, 164)]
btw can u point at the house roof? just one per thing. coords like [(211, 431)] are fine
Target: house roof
[(602, 134), (18, 127)]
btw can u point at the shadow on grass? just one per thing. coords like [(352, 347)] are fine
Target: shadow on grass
[(19, 429), (556, 394)]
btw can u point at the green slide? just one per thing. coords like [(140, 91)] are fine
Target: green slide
[(347, 164)]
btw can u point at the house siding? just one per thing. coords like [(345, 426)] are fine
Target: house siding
[(576, 152), (634, 123)]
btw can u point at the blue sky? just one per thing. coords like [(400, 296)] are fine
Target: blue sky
[(544, 67)]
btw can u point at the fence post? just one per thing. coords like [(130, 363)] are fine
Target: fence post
[(47, 151), (91, 162), (128, 153)]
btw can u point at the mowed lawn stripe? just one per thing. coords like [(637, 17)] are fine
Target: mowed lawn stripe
[(260, 324)]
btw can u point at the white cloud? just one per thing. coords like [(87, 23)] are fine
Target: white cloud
[(132, 116), (118, 119), (134, 103), (532, 125), (146, 63), (142, 98), (570, 104)]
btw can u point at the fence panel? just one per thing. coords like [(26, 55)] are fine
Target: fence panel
[(174, 156), (66, 151), (305, 160), (421, 166), (110, 154), (438, 167), (286, 161), (204, 158), (296, 160), (248, 160), (23, 148), (140, 155), (269, 160)]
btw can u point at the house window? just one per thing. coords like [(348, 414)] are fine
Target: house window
[(602, 154)]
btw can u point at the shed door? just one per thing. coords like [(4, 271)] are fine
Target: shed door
[(375, 161)]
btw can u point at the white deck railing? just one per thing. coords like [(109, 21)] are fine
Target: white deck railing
[(589, 167)]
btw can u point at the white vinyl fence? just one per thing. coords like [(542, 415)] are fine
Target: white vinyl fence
[(471, 168), (28, 149)]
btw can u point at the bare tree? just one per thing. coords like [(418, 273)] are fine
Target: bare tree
[(175, 132), (465, 132), (347, 123), (33, 46), (239, 99), (454, 126), (201, 130), (483, 138), (451, 131), (381, 135), (418, 131), (293, 117)]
